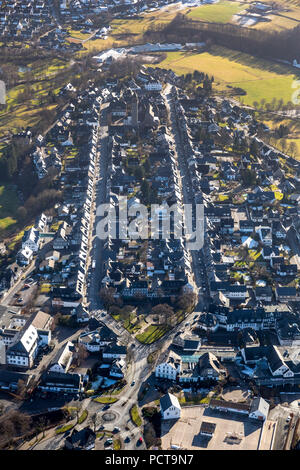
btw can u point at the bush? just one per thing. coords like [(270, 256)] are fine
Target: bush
[(149, 411)]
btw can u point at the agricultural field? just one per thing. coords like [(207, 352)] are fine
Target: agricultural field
[(288, 19), (221, 12), (261, 79)]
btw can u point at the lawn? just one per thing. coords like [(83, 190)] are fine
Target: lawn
[(221, 12), (259, 78), (65, 428), (9, 204), (105, 400), (83, 416), (135, 416), (152, 333)]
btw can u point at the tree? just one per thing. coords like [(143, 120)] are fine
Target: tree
[(165, 313), (22, 389), (107, 297), (42, 424), (93, 421), (82, 354), (186, 301), (21, 213), (293, 149), (248, 177)]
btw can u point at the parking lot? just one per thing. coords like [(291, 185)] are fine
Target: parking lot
[(232, 432)]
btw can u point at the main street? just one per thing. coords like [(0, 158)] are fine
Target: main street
[(138, 370), (185, 185)]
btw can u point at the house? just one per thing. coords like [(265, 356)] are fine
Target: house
[(81, 440), (263, 293), (170, 368), (259, 409), (42, 322), (285, 270), (63, 359), (31, 239), (58, 382), (24, 256), (228, 406), (95, 339), (9, 380), (170, 407), (286, 294), (23, 349), (114, 352), (209, 367)]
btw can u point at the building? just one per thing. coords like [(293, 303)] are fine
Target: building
[(81, 440), (207, 429), (31, 240), (24, 348), (169, 369), (63, 359), (58, 382), (259, 409), (170, 407)]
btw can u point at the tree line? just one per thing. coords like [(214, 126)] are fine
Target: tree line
[(273, 44)]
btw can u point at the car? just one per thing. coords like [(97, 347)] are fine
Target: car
[(187, 323), (133, 383), (20, 300), (108, 442), (105, 407), (139, 442), (116, 429), (127, 439)]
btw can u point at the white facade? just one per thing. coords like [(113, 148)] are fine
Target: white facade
[(170, 407), (166, 371)]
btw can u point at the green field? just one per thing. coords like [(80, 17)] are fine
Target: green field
[(221, 12), (261, 79), (152, 333)]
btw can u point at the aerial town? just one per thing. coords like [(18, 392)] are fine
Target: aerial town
[(114, 336)]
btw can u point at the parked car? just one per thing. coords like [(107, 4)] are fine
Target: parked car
[(133, 383)]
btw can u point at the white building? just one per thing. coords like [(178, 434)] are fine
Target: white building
[(31, 240), (169, 369), (63, 359), (259, 409), (23, 350), (170, 407)]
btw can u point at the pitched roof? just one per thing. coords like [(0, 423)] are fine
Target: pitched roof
[(169, 400)]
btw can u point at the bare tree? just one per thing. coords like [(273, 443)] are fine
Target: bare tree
[(93, 421), (82, 354)]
